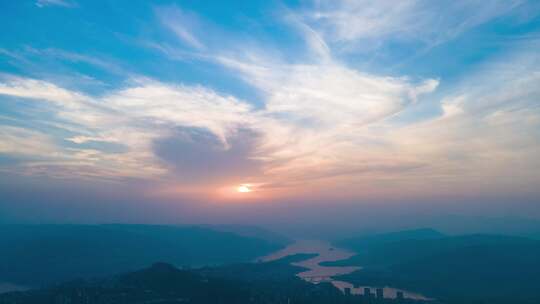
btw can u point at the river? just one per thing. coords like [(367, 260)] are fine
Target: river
[(328, 253)]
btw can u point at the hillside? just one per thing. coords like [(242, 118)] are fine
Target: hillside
[(254, 232), (459, 269), (358, 243), (40, 254), (277, 270), (164, 283), (363, 244)]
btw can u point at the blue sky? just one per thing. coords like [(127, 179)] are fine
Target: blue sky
[(338, 101)]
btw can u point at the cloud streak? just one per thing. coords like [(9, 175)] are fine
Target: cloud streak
[(324, 127), (361, 25), (64, 3)]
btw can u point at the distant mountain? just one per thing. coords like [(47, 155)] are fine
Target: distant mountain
[(40, 254), (254, 232), (461, 224), (358, 243), (364, 245), (461, 269)]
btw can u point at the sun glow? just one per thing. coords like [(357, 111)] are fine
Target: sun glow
[(243, 189)]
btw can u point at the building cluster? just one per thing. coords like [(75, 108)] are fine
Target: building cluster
[(378, 297)]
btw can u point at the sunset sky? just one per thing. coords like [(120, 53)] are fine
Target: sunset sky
[(218, 111)]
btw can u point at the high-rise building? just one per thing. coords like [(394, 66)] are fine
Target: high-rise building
[(380, 293)]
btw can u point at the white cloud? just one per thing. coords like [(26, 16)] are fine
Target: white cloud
[(312, 38), (23, 142), (37, 89), (180, 105), (321, 120), (182, 24), (134, 117), (368, 24), (487, 135), (64, 3)]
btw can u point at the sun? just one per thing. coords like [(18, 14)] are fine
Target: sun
[(243, 189)]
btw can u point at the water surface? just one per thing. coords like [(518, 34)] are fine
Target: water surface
[(328, 253)]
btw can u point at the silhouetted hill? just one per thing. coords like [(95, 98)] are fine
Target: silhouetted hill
[(164, 283), (254, 232), (278, 270), (463, 224), (162, 277), (37, 254), (491, 268), (359, 243)]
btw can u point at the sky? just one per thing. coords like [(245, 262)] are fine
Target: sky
[(268, 112)]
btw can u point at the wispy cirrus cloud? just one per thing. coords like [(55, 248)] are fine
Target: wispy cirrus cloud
[(288, 134), (323, 127), (357, 25), (324, 120), (28, 57), (64, 3), (182, 24), (318, 118)]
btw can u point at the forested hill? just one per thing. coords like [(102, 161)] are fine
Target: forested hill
[(360, 242), (457, 269), (42, 254), (255, 283)]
